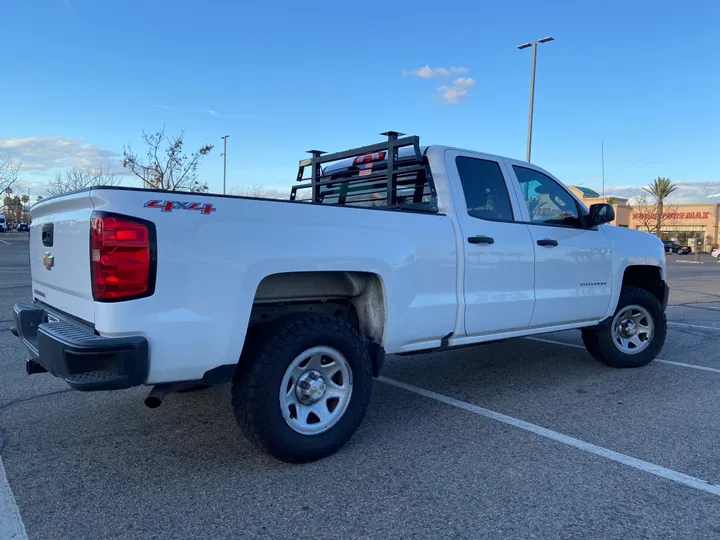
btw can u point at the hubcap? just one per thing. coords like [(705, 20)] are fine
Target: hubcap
[(310, 387), (315, 391), (628, 328), (632, 329)]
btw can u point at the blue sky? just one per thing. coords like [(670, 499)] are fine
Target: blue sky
[(83, 77)]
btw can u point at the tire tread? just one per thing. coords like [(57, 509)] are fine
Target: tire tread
[(251, 383), (598, 340)]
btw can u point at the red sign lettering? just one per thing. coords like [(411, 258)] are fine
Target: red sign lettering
[(169, 206)]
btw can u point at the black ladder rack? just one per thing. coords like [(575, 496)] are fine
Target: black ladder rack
[(379, 180)]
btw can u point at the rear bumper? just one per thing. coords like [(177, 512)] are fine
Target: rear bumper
[(72, 351)]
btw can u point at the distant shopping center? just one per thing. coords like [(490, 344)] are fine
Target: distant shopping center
[(693, 224)]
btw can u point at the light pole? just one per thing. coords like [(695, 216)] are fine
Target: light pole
[(534, 45), (224, 154)]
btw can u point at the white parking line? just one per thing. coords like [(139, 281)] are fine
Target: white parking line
[(645, 466), (11, 524), (694, 326), (4, 242), (670, 362)]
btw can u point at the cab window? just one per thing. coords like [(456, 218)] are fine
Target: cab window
[(547, 202), (484, 187)]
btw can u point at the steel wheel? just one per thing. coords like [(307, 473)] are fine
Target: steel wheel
[(632, 329), (316, 390)]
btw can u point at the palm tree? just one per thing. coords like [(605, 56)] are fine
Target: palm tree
[(611, 200), (660, 189)]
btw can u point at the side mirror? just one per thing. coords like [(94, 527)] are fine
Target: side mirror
[(601, 213)]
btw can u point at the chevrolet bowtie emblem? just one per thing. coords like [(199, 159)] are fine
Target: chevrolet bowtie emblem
[(48, 260)]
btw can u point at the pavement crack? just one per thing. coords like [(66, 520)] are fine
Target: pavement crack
[(4, 438), (711, 309), (25, 400), (14, 287)]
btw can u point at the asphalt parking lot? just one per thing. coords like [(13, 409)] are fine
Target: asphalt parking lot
[(528, 438)]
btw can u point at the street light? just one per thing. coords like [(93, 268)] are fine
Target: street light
[(534, 45), (224, 155)]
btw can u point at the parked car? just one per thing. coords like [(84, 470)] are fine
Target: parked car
[(671, 246), (23, 227), (716, 253), (400, 249), (684, 250), (3, 224)]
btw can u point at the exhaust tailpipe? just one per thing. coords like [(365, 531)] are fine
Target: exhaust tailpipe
[(159, 391), (155, 397)]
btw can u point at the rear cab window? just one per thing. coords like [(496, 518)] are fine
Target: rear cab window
[(485, 190)]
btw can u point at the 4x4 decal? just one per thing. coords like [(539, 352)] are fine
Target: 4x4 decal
[(169, 206)]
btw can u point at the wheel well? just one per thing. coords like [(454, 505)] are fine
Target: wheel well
[(646, 277), (357, 297)]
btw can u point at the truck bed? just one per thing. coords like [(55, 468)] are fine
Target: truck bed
[(214, 251)]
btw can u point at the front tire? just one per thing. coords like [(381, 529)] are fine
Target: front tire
[(633, 336), (302, 387)]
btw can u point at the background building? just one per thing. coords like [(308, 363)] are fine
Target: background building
[(695, 225)]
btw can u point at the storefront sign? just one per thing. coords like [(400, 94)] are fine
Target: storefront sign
[(672, 215)]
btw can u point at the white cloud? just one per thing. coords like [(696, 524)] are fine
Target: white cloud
[(162, 107), (452, 95), (463, 82), (427, 72), (697, 191), (43, 153), (210, 111)]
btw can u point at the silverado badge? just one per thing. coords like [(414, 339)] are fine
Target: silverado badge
[(48, 260)]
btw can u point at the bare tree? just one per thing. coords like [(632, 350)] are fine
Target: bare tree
[(255, 191), (75, 178), (649, 216), (8, 173), (166, 165)]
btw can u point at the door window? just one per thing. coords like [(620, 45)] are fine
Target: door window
[(547, 202), (484, 187)]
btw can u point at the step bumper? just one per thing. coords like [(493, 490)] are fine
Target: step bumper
[(73, 351)]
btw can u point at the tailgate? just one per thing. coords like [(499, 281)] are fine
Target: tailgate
[(60, 254)]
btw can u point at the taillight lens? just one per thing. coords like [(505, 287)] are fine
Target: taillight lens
[(121, 258)]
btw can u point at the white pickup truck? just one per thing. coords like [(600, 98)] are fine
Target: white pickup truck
[(398, 249)]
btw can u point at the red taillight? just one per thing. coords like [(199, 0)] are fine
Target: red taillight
[(369, 158), (120, 257)]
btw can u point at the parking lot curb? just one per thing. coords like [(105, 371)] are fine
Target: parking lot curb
[(691, 262)]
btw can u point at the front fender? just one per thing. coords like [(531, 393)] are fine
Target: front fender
[(633, 248)]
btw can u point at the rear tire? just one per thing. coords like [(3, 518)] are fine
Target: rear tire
[(283, 393), (633, 336)]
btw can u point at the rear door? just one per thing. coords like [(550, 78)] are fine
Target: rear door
[(60, 254), (573, 263), (499, 261)]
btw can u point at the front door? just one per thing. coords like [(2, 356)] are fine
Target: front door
[(573, 263), (498, 251)]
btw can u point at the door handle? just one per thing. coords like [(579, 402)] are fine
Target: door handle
[(547, 242), (481, 240)]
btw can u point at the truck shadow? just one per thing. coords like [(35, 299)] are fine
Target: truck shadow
[(195, 432)]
